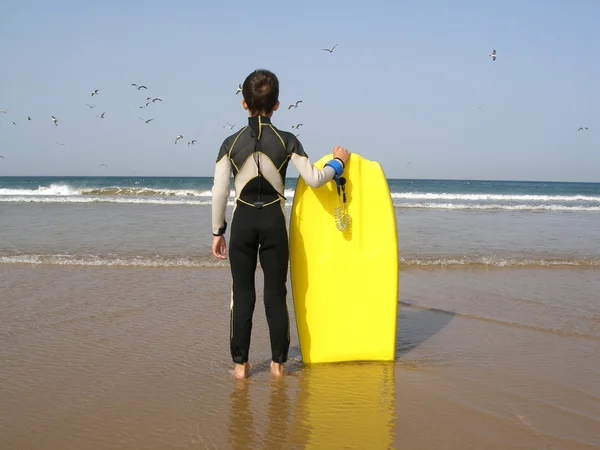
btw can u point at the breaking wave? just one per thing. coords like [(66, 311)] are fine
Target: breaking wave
[(66, 193), (207, 260)]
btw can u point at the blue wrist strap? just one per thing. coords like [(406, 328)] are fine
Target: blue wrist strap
[(337, 166)]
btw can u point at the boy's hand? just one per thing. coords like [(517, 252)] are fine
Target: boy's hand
[(341, 153), (219, 247)]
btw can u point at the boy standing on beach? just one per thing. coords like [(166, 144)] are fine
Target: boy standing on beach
[(258, 156)]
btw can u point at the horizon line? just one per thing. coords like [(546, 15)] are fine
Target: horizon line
[(295, 178)]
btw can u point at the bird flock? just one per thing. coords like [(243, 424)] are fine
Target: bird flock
[(95, 92), (152, 100)]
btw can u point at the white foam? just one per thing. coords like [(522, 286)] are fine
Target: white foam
[(183, 261), (493, 197), (52, 190), (494, 206)]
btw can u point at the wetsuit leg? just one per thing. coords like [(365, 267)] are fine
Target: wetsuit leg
[(243, 249), (274, 255)]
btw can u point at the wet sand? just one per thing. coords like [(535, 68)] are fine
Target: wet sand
[(98, 358)]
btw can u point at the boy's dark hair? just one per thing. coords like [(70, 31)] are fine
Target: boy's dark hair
[(261, 91)]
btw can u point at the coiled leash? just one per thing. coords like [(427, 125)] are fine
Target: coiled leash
[(340, 213)]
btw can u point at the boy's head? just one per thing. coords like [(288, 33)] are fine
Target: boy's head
[(261, 93)]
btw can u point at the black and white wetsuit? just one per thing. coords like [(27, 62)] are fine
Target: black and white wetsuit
[(258, 156)]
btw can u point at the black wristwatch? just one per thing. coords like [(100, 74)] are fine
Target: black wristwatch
[(343, 165), (221, 230)]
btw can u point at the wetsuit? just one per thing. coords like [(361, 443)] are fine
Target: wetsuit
[(258, 156)]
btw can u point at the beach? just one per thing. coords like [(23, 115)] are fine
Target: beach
[(115, 330)]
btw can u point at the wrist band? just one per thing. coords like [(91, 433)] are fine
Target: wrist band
[(337, 166), (221, 231)]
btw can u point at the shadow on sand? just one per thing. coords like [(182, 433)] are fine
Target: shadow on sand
[(415, 326)]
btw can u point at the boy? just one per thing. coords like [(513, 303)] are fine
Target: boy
[(258, 156)]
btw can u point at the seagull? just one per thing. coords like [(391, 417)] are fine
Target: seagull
[(95, 92), (239, 89), (28, 118), (154, 100), (60, 143), (14, 123), (230, 126), (102, 115), (147, 121), (145, 106), (103, 165), (295, 105), (409, 163), (178, 137), (480, 106), (139, 87), (90, 106), (493, 55), (55, 120), (192, 142), (330, 50), (297, 126), (3, 111), (582, 128), (2, 157)]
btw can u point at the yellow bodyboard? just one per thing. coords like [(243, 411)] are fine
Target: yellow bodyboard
[(345, 283)]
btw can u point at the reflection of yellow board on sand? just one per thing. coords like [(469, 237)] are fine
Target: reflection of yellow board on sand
[(345, 406), (345, 283)]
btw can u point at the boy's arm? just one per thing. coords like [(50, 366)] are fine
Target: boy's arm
[(312, 176), (220, 192)]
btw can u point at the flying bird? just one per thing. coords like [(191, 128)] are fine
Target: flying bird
[(147, 121), (154, 100), (60, 143), (3, 111), (493, 55), (102, 115), (409, 163), (295, 105), (230, 126), (14, 123), (297, 126), (94, 92), (192, 142), (139, 87), (2, 157), (178, 137), (330, 50), (582, 128), (55, 120), (28, 118), (91, 106), (103, 165), (480, 106), (239, 89), (146, 105)]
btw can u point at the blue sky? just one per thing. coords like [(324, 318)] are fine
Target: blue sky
[(403, 84)]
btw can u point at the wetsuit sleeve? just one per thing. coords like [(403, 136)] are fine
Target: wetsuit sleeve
[(312, 176), (221, 189)]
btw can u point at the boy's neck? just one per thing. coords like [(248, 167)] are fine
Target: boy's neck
[(268, 116)]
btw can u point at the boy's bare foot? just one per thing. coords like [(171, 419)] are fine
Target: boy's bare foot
[(241, 370), (276, 369)]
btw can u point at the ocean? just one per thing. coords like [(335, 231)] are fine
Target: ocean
[(115, 324), (440, 222)]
